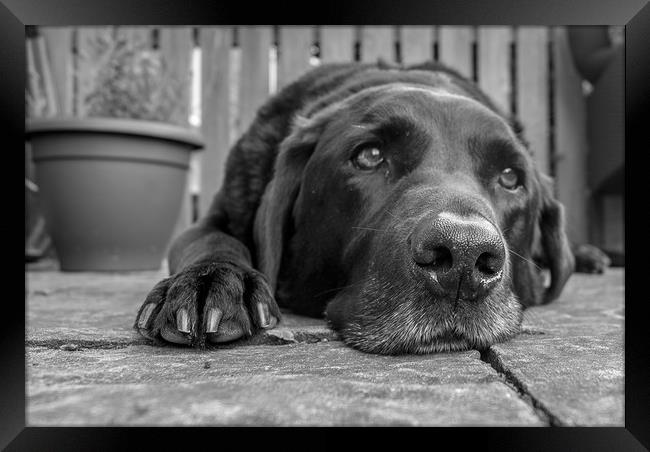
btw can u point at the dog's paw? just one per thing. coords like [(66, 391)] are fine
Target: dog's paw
[(590, 259), (207, 302)]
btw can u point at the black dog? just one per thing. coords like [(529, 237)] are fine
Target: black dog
[(399, 202)]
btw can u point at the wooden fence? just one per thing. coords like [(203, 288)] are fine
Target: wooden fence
[(527, 70)]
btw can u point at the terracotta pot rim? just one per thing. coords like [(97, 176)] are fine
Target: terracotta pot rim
[(137, 127)]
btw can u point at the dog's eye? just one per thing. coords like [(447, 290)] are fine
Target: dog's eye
[(509, 179), (368, 158)]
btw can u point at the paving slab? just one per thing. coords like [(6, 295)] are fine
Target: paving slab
[(98, 309), (87, 367), (575, 381), (325, 383), (571, 362)]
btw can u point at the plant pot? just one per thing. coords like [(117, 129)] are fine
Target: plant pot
[(111, 189)]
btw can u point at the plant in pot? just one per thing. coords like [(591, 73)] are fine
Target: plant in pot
[(112, 183)]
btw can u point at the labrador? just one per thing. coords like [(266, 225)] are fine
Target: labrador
[(399, 202)]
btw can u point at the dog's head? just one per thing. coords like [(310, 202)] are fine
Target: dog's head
[(411, 213)]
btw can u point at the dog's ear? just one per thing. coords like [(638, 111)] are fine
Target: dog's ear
[(274, 214), (554, 243)]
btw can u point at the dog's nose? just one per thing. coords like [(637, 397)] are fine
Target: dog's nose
[(464, 256)]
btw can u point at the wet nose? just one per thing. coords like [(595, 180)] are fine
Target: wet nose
[(463, 256)]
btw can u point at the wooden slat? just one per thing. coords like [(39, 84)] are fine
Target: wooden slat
[(175, 44), (58, 41), (255, 43), (570, 139), (138, 35), (455, 48), (87, 59), (216, 44), (176, 49), (52, 106), (336, 44), (494, 64), (377, 42), (416, 44), (294, 53), (34, 91), (532, 91), (233, 98)]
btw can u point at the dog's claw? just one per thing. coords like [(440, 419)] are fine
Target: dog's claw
[(145, 314), (213, 319), (263, 312), (183, 320)]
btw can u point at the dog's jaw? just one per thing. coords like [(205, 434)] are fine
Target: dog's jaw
[(416, 324)]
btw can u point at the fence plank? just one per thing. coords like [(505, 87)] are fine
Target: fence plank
[(235, 86), (175, 44), (336, 44), (455, 48), (176, 49), (87, 59), (377, 42), (294, 53), (532, 91), (52, 106), (494, 64), (416, 44), (58, 42), (138, 35), (255, 43), (570, 139), (216, 44), (36, 97)]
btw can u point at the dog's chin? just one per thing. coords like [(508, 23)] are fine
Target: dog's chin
[(418, 325)]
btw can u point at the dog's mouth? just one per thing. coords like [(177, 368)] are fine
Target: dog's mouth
[(451, 340), (400, 322)]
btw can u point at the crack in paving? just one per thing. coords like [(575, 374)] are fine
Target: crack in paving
[(490, 357), (286, 338), (76, 345)]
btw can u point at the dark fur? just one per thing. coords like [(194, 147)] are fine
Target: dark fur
[(294, 219)]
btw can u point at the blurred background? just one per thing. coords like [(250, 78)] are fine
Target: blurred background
[(565, 84)]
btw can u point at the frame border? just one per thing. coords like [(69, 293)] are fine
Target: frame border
[(634, 14)]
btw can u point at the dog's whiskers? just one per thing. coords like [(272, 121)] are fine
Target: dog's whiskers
[(339, 288), (370, 229), (391, 214), (524, 259)]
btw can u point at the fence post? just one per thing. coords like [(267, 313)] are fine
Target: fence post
[(176, 48), (294, 53), (216, 44), (455, 48), (570, 139), (416, 44), (377, 42), (532, 88), (494, 64), (336, 44), (58, 42), (255, 43)]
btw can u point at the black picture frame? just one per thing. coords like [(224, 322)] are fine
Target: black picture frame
[(634, 14)]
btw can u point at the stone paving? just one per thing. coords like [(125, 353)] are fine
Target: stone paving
[(85, 366)]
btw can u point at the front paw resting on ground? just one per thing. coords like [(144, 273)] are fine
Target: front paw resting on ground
[(208, 302), (590, 259)]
